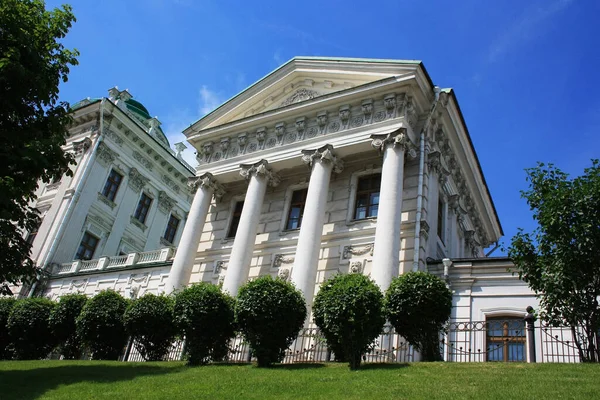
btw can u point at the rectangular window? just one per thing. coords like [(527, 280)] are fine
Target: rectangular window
[(87, 247), (296, 212), (171, 230), (235, 219), (112, 185), (141, 212), (505, 339), (33, 233), (367, 197), (441, 219)]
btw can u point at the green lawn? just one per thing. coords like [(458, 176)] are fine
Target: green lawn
[(26, 380)]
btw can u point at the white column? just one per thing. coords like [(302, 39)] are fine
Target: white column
[(206, 186), (306, 260), (238, 267), (386, 255)]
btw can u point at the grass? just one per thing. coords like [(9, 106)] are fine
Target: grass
[(25, 380)]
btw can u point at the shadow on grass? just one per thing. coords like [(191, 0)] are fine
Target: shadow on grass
[(297, 366), (383, 366), (29, 384)]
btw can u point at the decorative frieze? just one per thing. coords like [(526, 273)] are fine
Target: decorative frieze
[(136, 180), (322, 118), (300, 95), (170, 183), (280, 131), (105, 155), (359, 250), (260, 168), (165, 203), (143, 160), (279, 259), (113, 135)]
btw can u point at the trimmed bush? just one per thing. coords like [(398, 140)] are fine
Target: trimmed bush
[(100, 325), (29, 330), (418, 305), (62, 324), (6, 305), (349, 310), (269, 313), (204, 315), (150, 321)]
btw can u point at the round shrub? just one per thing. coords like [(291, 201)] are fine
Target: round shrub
[(150, 322), (62, 324), (6, 305), (100, 325), (29, 330), (269, 313), (349, 311), (418, 305), (204, 315)]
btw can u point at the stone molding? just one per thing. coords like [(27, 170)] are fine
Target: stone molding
[(143, 160), (300, 95), (82, 146), (208, 181), (262, 169), (324, 155)]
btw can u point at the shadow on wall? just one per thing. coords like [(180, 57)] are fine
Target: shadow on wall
[(23, 383)]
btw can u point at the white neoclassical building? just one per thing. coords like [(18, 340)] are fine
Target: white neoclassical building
[(324, 166), (124, 206)]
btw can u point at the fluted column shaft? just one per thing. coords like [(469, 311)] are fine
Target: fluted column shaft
[(259, 176), (206, 186), (386, 255), (306, 260)]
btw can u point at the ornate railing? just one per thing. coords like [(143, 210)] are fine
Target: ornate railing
[(98, 264)]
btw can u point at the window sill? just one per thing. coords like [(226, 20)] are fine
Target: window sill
[(105, 200), (289, 231), (138, 223)]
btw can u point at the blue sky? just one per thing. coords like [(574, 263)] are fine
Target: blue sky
[(521, 68)]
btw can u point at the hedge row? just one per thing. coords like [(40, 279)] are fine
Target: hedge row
[(350, 310)]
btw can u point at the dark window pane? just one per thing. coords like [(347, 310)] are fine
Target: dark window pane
[(141, 212), (294, 220), (112, 185), (367, 196), (87, 247), (172, 226), (235, 219)]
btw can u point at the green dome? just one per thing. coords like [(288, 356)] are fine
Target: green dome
[(137, 108)]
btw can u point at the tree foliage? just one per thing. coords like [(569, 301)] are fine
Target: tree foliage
[(205, 316), (6, 305), (150, 322), (270, 313), (560, 259), (100, 325), (62, 324), (32, 122), (349, 310), (29, 330), (418, 305)]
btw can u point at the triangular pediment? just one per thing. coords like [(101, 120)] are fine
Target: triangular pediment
[(304, 79)]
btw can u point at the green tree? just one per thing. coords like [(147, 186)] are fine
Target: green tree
[(29, 330), (349, 310), (560, 259), (270, 313), (100, 325), (150, 322), (33, 123), (418, 306), (205, 317), (6, 306), (62, 324)]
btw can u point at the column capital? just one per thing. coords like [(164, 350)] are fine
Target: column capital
[(324, 155), (454, 202), (206, 181), (261, 169), (434, 161), (398, 138)]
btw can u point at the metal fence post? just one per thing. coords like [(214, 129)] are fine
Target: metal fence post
[(530, 320)]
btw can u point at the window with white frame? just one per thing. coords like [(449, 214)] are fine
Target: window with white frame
[(367, 196), (87, 247), (296, 211)]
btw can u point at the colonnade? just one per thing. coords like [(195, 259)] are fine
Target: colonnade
[(323, 163)]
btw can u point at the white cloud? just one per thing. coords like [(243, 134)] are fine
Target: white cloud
[(208, 101), (526, 28)]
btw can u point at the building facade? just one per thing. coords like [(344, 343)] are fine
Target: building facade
[(128, 193)]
